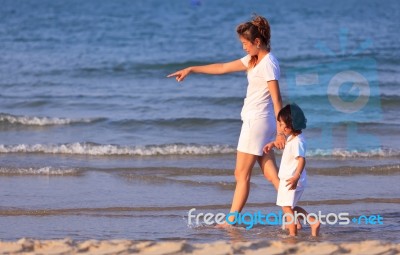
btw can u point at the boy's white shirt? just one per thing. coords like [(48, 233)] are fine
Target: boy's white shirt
[(295, 147)]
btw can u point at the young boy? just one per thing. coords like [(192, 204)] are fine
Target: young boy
[(292, 174)]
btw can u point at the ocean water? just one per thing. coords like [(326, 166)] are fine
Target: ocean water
[(96, 142)]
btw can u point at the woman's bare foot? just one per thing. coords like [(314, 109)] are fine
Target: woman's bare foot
[(223, 225), (315, 228)]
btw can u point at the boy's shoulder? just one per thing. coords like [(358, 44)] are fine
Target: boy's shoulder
[(299, 137), (299, 140)]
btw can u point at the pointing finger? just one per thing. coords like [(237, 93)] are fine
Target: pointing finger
[(172, 74)]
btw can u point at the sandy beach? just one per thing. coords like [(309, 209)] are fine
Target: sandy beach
[(68, 246)]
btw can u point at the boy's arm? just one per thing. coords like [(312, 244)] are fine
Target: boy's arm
[(292, 182)]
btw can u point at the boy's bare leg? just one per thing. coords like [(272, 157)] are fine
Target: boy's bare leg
[(291, 225), (298, 223), (314, 223)]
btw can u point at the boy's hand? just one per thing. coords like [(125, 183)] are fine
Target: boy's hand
[(267, 148), (292, 182)]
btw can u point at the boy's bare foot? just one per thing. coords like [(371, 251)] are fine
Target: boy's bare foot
[(315, 228), (298, 226)]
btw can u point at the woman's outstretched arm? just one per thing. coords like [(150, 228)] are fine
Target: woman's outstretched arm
[(218, 68)]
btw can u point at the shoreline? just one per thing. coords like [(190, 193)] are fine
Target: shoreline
[(124, 246)]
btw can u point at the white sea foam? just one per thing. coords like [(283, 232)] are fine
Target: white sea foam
[(172, 149), (37, 171), (40, 121), (344, 153), (109, 150)]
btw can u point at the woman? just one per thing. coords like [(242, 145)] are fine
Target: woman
[(261, 106)]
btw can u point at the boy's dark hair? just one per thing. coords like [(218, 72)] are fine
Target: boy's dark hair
[(293, 117)]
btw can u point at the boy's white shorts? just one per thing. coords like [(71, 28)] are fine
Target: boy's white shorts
[(288, 197), (255, 134)]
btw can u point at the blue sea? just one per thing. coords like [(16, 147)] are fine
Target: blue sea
[(96, 142)]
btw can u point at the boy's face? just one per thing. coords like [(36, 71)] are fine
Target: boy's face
[(286, 130)]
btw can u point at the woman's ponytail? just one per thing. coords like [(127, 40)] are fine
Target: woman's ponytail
[(264, 30)]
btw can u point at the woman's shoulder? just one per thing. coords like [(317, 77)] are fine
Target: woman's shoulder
[(272, 60), (271, 67), (245, 60)]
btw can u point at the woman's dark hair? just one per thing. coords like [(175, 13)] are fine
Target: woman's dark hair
[(293, 117), (257, 28)]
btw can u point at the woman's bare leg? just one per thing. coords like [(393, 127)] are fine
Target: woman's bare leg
[(244, 165), (268, 166)]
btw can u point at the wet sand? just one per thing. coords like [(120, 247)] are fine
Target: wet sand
[(69, 246)]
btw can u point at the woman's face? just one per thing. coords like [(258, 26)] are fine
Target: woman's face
[(248, 47)]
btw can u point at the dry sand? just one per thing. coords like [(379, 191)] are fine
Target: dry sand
[(68, 246)]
